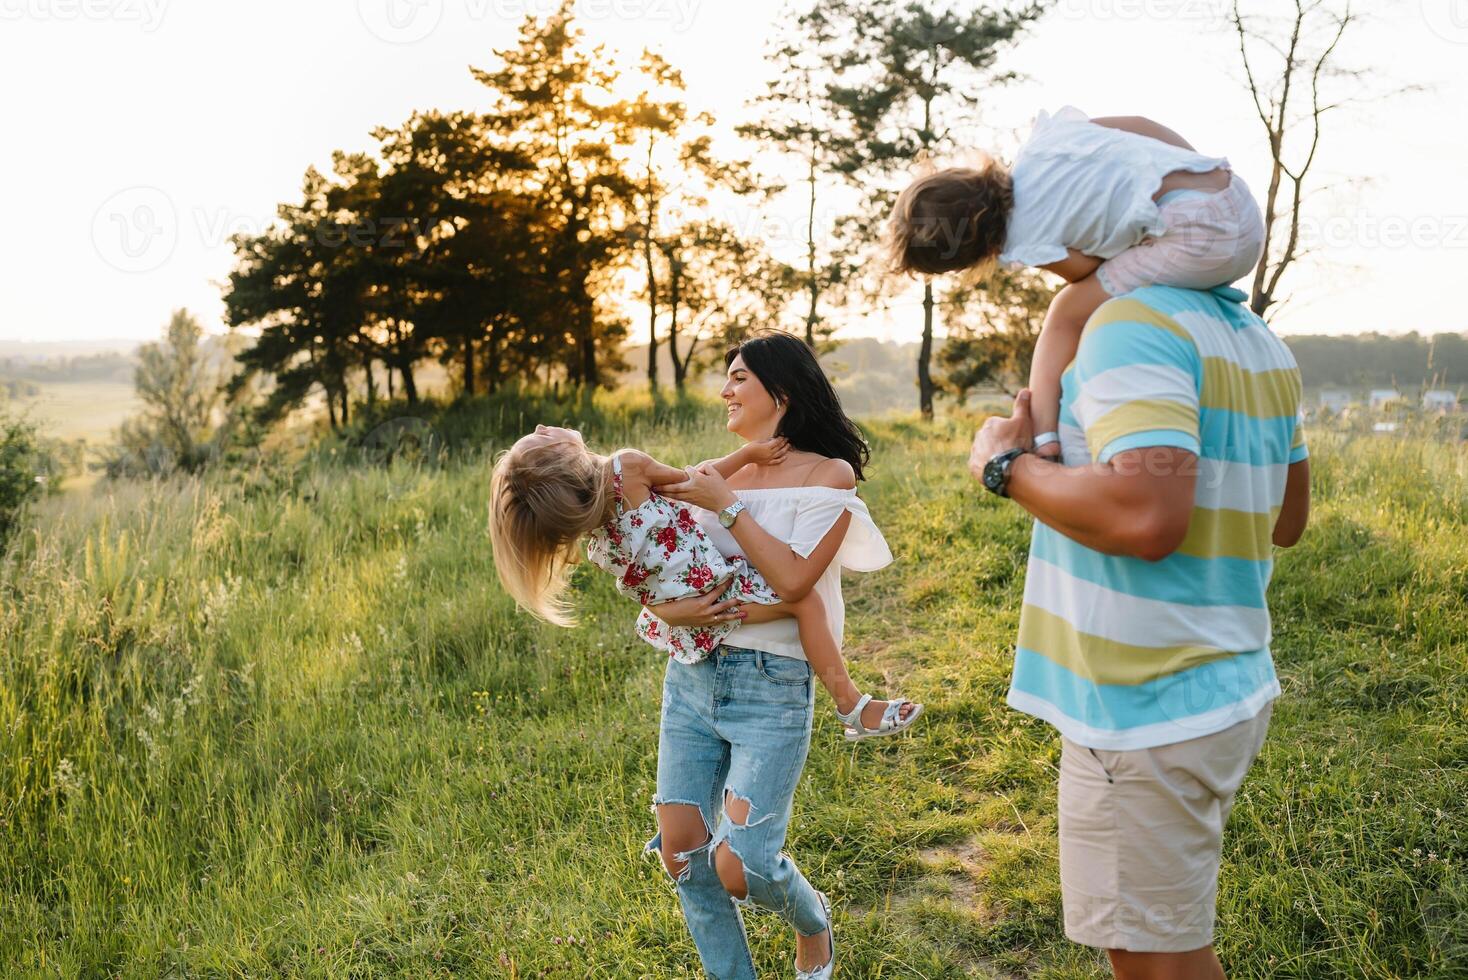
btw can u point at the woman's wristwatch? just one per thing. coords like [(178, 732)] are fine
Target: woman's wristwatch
[(728, 514)]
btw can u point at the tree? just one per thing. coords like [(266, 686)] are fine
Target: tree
[(368, 233), (466, 270), (180, 389), (657, 122), (712, 279), (550, 104), (1294, 76), (992, 329), (1374, 359), (304, 283), (912, 74), (435, 247), (798, 116), (720, 287), (361, 238)]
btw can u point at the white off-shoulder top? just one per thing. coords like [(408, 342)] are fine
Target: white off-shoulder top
[(802, 516)]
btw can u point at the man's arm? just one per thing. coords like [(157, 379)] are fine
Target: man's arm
[(1138, 504), (1143, 126), (1136, 398), (1294, 513)]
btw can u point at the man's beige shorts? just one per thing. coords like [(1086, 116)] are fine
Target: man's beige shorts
[(1141, 835)]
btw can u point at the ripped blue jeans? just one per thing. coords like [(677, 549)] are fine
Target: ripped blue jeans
[(737, 723)]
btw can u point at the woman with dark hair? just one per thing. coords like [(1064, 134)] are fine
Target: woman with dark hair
[(736, 726), (813, 420)]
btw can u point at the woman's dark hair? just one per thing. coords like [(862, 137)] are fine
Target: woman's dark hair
[(814, 421)]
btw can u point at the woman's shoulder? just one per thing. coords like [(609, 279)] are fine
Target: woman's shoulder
[(812, 472), (835, 474)]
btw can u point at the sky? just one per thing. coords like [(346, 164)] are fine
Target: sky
[(141, 134)]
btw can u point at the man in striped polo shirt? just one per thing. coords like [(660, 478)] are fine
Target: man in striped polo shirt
[(1144, 636)]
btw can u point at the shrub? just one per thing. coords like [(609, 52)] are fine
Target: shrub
[(26, 471)]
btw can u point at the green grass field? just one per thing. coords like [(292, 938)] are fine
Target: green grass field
[(284, 722)]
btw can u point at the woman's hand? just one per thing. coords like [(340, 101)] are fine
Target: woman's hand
[(704, 488), (700, 610)]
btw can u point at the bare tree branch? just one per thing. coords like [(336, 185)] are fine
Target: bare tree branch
[(1306, 48)]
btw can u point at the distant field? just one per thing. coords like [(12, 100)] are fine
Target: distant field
[(88, 410)]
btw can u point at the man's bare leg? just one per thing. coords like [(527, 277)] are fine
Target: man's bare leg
[(1199, 964)]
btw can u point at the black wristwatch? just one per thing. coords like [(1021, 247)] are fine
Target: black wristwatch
[(996, 471)]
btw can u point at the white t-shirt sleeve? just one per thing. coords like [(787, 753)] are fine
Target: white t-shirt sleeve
[(862, 550), (1033, 254)]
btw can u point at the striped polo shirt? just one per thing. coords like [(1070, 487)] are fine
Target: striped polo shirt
[(1121, 653)]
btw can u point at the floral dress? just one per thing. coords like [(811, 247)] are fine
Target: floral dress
[(657, 552)]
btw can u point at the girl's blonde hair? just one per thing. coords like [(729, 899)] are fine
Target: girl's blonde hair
[(542, 499)]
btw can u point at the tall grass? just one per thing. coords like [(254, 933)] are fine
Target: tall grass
[(282, 721)]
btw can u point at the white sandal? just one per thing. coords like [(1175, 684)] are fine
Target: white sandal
[(891, 724), (826, 970)]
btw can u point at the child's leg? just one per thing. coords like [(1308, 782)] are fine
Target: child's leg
[(1056, 348), (824, 655)]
